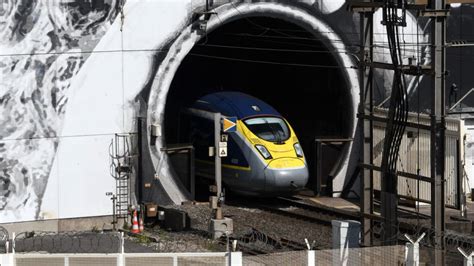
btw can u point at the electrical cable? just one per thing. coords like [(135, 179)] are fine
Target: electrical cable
[(269, 62), (398, 108), (266, 49)]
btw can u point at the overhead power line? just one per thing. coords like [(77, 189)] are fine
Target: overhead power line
[(269, 62)]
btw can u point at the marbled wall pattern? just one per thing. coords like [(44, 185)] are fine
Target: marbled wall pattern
[(43, 44)]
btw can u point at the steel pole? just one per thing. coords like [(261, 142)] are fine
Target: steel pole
[(217, 161), (438, 112), (366, 108)]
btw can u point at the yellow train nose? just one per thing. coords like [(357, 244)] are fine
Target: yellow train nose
[(286, 174), (282, 163)]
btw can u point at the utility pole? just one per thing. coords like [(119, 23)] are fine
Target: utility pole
[(438, 125)]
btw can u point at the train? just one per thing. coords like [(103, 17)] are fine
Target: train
[(264, 156)]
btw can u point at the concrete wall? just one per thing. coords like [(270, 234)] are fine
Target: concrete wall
[(74, 74)]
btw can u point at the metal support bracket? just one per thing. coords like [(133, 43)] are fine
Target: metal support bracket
[(364, 7), (434, 13), (459, 43), (406, 69)]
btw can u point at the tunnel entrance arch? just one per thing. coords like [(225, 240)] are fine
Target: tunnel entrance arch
[(181, 47)]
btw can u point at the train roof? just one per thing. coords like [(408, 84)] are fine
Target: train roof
[(231, 103)]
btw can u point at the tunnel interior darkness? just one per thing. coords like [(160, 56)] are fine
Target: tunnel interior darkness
[(275, 61)]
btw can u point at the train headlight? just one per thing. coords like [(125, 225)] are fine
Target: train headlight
[(263, 151), (298, 150)]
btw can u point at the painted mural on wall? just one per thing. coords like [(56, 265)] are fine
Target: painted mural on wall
[(43, 46), (71, 75)]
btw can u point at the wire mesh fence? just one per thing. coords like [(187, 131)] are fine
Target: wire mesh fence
[(281, 258), (381, 255), (175, 259), (257, 247)]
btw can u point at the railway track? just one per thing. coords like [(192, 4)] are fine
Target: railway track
[(296, 208), (257, 242), (319, 208)]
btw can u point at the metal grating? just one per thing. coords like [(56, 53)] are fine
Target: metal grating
[(140, 261), (382, 255), (92, 261), (196, 261), (294, 258), (39, 261)]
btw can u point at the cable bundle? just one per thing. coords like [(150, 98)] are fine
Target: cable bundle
[(398, 109)]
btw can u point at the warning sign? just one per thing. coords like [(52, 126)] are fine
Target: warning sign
[(229, 124), (222, 151)]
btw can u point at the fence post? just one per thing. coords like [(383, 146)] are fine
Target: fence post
[(311, 258), (122, 243), (7, 259), (175, 259), (467, 257), (345, 235), (235, 258), (121, 255), (412, 251), (13, 243)]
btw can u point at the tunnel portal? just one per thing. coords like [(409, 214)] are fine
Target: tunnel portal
[(278, 53), (273, 60)]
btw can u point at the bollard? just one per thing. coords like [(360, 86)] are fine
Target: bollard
[(412, 251), (467, 257)]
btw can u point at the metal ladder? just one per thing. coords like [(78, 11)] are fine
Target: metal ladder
[(122, 159), (122, 192)]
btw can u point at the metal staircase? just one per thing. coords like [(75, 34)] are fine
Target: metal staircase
[(123, 156)]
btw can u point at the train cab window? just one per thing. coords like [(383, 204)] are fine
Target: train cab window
[(272, 129)]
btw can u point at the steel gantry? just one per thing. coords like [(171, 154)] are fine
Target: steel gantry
[(437, 11)]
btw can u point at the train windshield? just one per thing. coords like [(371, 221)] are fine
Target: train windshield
[(272, 129)]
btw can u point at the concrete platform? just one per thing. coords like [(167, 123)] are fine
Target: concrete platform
[(336, 203)]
